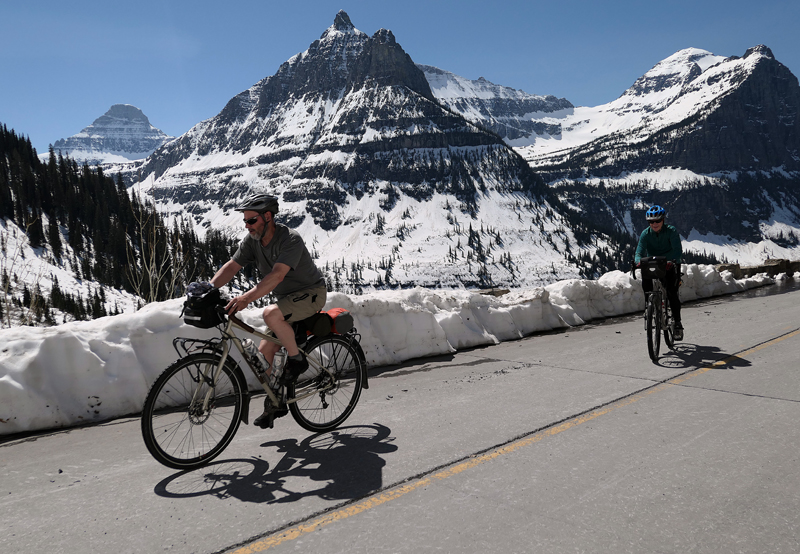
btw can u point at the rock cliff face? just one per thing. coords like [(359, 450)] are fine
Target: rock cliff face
[(754, 127), (122, 134)]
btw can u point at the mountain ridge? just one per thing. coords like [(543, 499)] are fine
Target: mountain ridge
[(664, 132)]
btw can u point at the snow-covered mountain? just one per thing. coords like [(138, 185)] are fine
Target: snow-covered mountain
[(714, 139), (378, 176), (121, 135), (694, 113), (512, 114)]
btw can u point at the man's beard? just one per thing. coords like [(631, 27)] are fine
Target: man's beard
[(254, 235)]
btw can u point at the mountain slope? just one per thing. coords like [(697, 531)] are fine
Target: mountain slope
[(120, 135), (693, 111), (715, 140), (384, 182), (512, 114)]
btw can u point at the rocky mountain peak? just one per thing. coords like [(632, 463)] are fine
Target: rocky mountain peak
[(674, 72), (370, 167), (341, 26), (122, 112), (384, 36), (759, 50), (342, 22)]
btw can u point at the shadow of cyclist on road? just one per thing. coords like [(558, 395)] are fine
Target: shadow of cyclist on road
[(695, 356), (347, 461)]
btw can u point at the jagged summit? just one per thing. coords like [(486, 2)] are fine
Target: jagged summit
[(341, 26), (342, 22), (122, 134)]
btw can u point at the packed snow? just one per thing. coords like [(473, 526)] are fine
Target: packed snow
[(83, 372)]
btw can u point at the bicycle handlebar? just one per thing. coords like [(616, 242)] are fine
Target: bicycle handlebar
[(669, 265)]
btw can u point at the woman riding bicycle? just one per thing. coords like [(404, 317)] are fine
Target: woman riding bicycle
[(660, 239)]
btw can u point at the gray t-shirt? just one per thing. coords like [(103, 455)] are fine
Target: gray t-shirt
[(286, 247)]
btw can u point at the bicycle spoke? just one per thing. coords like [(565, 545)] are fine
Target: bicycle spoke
[(334, 397), (176, 428)]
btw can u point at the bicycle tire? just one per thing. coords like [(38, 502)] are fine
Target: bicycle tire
[(653, 328), (179, 436), (326, 410), (669, 329)]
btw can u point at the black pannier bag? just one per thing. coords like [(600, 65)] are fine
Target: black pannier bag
[(322, 324), (318, 325), (342, 320), (654, 267), (200, 309)]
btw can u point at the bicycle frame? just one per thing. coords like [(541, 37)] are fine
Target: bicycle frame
[(659, 293), (228, 336)]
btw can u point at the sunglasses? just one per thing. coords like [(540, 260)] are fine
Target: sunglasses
[(251, 221)]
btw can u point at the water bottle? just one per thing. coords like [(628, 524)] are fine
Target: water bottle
[(253, 354)]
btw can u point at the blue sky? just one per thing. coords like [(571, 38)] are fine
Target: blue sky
[(63, 64)]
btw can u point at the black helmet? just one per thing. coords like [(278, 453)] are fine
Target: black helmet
[(259, 202)]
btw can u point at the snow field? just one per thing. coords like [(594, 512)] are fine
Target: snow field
[(96, 370)]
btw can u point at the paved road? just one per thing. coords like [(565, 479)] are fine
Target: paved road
[(561, 442)]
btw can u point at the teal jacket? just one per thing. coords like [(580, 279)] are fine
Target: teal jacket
[(665, 243)]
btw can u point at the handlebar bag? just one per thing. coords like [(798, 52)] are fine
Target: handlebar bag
[(201, 306), (654, 267)]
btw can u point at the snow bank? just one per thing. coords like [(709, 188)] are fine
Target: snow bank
[(92, 371)]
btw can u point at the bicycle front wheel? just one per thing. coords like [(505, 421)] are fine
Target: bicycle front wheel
[(653, 327), (187, 419), (324, 402), (669, 329)]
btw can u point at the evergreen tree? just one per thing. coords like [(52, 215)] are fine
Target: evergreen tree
[(54, 237)]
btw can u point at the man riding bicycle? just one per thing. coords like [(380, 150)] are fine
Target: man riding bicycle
[(288, 271), (660, 239)]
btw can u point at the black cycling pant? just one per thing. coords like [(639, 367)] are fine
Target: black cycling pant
[(671, 283)]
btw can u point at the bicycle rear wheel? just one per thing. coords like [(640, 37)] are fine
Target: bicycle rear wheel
[(177, 430), (653, 327), (326, 402)]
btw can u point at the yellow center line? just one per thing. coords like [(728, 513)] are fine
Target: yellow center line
[(386, 496)]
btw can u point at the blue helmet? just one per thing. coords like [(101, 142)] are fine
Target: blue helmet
[(655, 213)]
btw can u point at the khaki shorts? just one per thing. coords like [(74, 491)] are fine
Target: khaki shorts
[(303, 304)]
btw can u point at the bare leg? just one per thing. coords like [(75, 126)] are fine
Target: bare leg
[(282, 329)]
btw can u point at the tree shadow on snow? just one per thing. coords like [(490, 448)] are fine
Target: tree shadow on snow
[(340, 465)]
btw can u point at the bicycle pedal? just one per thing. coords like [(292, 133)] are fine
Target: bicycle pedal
[(265, 420)]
